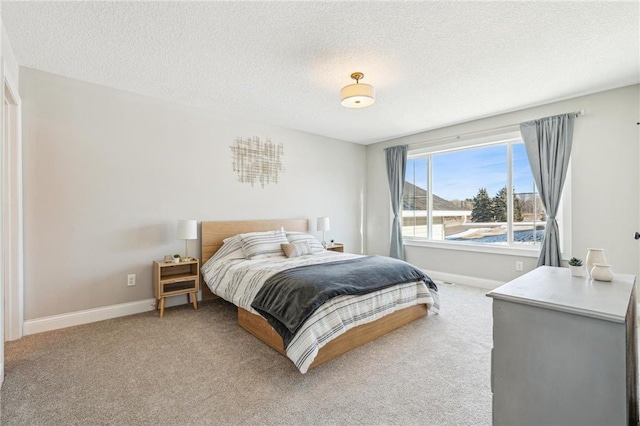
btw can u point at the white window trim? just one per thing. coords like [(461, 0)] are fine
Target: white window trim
[(505, 136), (512, 135), (478, 248)]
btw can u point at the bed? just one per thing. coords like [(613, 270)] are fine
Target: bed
[(322, 349)]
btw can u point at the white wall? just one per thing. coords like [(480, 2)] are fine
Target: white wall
[(11, 65), (108, 173), (605, 196)]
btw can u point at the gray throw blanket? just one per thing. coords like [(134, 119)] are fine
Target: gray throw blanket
[(289, 297)]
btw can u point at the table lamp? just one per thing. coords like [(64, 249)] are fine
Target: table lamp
[(187, 230), (324, 225)]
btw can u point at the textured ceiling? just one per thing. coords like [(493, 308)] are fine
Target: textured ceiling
[(283, 63)]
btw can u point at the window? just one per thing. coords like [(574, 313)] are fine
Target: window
[(478, 193)]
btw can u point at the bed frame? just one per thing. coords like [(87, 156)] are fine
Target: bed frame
[(213, 234)]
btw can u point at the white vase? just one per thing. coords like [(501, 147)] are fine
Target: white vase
[(602, 272), (594, 255), (577, 271)]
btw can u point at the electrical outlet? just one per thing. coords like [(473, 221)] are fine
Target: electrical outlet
[(131, 279), (519, 265)]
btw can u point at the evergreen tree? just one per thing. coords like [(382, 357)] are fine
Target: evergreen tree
[(517, 209), (499, 206), (481, 211)]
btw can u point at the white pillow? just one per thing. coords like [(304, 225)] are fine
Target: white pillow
[(257, 245), (314, 244), (231, 249)]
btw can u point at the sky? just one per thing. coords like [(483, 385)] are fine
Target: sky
[(460, 174)]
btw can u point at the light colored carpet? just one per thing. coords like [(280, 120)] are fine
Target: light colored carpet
[(200, 367)]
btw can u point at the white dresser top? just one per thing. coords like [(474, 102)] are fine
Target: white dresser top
[(554, 288)]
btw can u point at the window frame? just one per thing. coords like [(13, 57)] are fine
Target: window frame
[(506, 136)]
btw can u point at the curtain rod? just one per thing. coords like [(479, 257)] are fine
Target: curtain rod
[(575, 113)]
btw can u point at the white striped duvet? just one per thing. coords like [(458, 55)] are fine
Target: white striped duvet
[(239, 280)]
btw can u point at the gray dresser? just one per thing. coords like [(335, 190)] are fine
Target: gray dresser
[(564, 350)]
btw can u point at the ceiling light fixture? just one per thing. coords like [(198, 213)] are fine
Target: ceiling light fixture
[(357, 95)]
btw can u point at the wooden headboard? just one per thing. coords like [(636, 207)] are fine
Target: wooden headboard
[(213, 233)]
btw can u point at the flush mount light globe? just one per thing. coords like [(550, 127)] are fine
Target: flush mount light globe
[(357, 95)]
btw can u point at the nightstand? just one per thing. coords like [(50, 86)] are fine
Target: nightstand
[(172, 279), (339, 247)]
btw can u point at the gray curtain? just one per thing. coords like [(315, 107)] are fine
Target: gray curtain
[(396, 169), (548, 144)]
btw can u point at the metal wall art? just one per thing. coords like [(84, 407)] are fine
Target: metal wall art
[(257, 161)]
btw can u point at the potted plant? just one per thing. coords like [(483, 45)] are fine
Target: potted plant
[(176, 258), (576, 267)]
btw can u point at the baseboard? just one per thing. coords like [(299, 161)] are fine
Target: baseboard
[(464, 280), (70, 319)]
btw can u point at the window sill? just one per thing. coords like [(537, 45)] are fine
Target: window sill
[(478, 248)]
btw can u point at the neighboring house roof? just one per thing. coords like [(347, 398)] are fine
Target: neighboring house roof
[(415, 198)]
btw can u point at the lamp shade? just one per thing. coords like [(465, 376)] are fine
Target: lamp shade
[(357, 95), (187, 230), (324, 224)]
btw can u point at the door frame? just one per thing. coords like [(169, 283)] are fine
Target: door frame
[(12, 211)]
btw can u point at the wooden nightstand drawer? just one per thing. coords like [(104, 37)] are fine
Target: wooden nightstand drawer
[(339, 247), (169, 289)]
